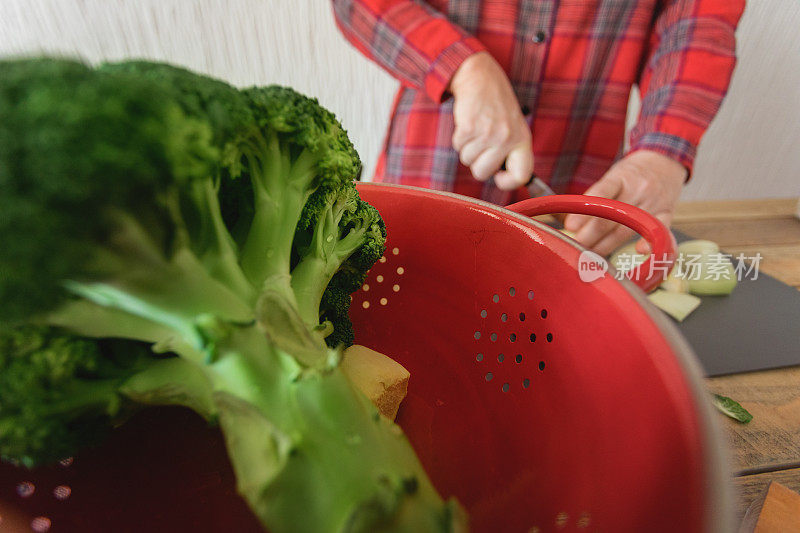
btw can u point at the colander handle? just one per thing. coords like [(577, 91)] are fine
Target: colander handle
[(647, 276)]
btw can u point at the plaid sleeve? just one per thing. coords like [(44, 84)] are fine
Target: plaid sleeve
[(410, 40), (686, 75)]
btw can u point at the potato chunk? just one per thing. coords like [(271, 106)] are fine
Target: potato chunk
[(382, 379)]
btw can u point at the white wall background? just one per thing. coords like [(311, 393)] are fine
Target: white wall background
[(752, 149)]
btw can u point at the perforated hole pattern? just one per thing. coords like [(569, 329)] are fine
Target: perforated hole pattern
[(524, 355), (533, 323), (26, 489), (382, 280)]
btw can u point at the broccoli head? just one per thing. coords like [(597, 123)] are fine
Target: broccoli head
[(58, 392), (296, 148), (220, 104), (76, 149), (226, 111), (338, 239)]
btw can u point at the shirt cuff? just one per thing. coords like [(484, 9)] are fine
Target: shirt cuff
[(442, 69), (669, 145)]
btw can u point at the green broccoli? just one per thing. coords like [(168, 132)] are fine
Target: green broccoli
[(171, 240), (302, 166), (60, 392), (318, 198), (338, 234), (223, 108)]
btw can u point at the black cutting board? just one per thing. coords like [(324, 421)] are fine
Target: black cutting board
[(757, 327)]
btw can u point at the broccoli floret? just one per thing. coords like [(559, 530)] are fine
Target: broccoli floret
[(336, 229), (297, 148), (93, 199), (147, 206), (225, 109), (335, 303), (70, 142), (58, 393), (335, 307), (301, 166), (219, 103)]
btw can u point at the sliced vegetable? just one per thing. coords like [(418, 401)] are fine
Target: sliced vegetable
[(710, 274), (676, 304), (732, 408), (676, 281), (698, 247)]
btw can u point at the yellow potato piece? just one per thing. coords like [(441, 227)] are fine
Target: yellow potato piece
[(382, 379)]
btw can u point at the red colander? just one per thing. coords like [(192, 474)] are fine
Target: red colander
[(541, 401)]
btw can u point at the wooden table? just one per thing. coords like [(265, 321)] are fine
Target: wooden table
[(768, 448)]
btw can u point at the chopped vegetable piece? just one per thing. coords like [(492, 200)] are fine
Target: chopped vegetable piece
[(676, 304), (710, 274), (732, 408), (382, 379), (698, 247), (676, 281)]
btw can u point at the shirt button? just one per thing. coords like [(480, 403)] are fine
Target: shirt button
[(539, 37)]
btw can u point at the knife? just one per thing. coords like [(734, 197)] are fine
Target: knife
[(536, 187)]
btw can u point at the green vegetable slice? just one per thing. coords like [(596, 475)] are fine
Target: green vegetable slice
[(710, 274), (698, 247), (732, 409), (676, 304)]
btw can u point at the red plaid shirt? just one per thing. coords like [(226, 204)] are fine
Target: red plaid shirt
[(572, 62)]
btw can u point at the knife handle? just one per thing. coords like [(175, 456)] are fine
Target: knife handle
[(526, 111)]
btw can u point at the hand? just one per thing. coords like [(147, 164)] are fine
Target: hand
[(646, 179), (490, 128)]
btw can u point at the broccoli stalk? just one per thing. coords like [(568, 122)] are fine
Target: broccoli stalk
[(220, 254), (281, 187), (370, 476), (180, 257)]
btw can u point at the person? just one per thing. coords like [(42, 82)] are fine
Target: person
[(492, 90)]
